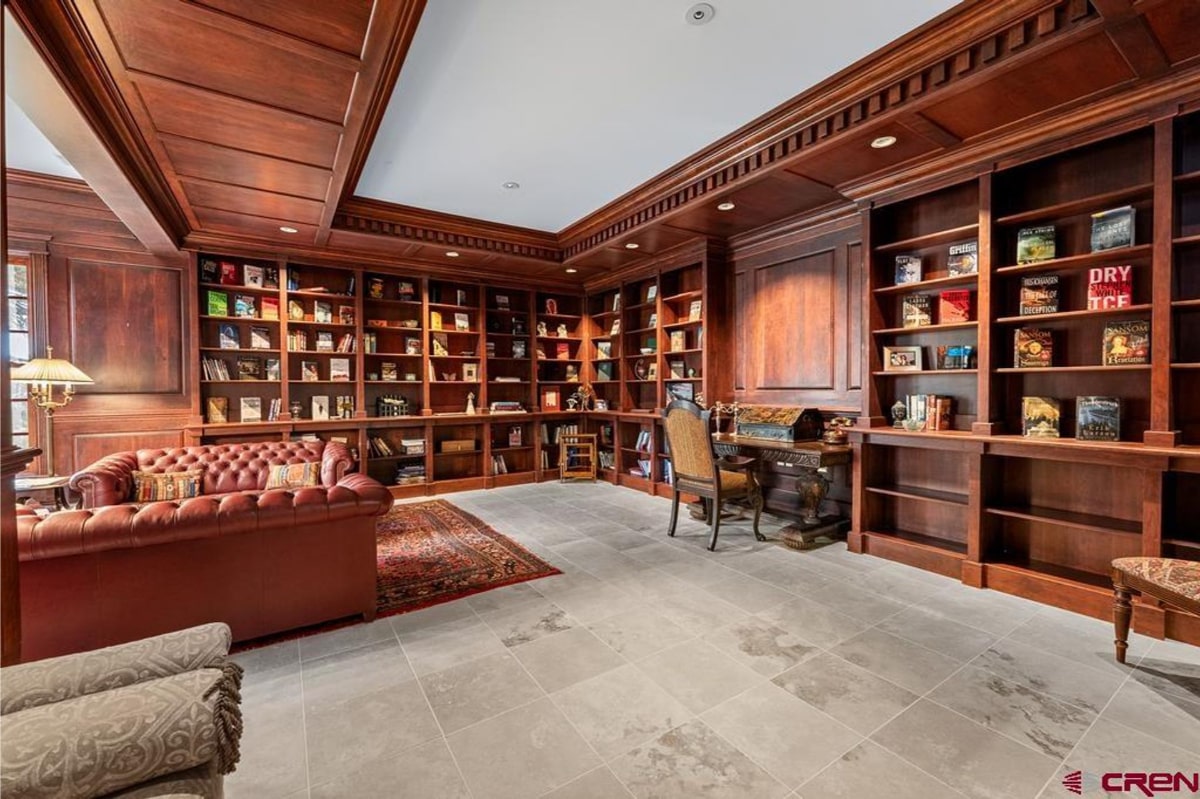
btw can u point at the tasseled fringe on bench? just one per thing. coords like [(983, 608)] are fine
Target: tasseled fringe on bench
[(227, 716)]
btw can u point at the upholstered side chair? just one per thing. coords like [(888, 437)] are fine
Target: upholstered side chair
[(697, 469)]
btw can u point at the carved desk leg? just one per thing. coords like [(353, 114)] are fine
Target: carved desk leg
[(813, 487)]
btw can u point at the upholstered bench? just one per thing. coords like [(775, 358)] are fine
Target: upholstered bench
[(1175, 582)]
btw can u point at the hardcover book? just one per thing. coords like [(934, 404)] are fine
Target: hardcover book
[(954, 306), (603, 349), (677, 369), (249, 368), (244, 306), (1110, 287), (324, 341), (218, 410), (1040, 417), (678, 340), (1035, 244), (251, 409), (1033, 348), (406, 290), (388, 371), (229, 274), (270, 277), (694, 310), (1112, 229), (1098, 418), (260, 338), (375, 288), (963, 258), (210, 271), (1039, 295), (295, 311), (346, 314), (339, 369), (435, 320), (273, 370), (954, 356), (309, 372), (270, 308), (323, 312), (412, 346), (616, 327), (908, 269), (252, 275), (229, 338), (502, 302), (218, 303), (462, 322), (916, 310), (320, 408), (604, 371), (441, 345), (1127, 342)]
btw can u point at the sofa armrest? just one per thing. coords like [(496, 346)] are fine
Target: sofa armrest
[(93, 745), (62, 678), (336, 462), (369, 490), (108, 481)]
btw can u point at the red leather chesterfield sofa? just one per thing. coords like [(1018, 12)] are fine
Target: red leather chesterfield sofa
[(262, 561)]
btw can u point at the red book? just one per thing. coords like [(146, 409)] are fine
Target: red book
[(229, 274), (954, 306), (562, 351), (1110, 287)]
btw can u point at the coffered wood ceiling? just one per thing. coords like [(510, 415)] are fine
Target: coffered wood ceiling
[(237, 116)]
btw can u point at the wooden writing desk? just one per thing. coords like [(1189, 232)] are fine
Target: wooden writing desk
[(812, 457)]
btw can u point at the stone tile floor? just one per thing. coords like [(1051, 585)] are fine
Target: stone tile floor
[(654, 668)]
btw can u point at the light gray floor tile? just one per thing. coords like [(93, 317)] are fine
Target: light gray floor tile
[(638, 633), (424, 772), (273, 761), (965, 755), (478, 689), (698, 611), (749, 594), (447, 645), (619, 710), (557, 661), (432, 617), (506, 598), (1166, 716), (934, 631), (524, 752), (985, 610), (356, 671), (852, 600), (692, 761), (354, 637), (789, 738), (587, 605), (597, 784), (1042, 671), (906, 664), (1111, 747), (269, 661), (344, 734), (1171, 667), (762, 646), (1035, 719), (1085, 640), (869, 770), (529, 622), (698, 674), (814, 622), (853, 696)]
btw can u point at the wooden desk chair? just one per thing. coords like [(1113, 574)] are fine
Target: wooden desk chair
[(698, 470), (577, 456), (1175, 582)]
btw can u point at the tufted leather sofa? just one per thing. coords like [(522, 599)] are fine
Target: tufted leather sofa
[(262, 561)]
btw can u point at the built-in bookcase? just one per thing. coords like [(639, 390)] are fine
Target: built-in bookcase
[(393, 343), (509, 347), (604, 313), (1185, 283), (559, 344)]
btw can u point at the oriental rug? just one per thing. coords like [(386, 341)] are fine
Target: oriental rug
[(428, 553), (433, 552)]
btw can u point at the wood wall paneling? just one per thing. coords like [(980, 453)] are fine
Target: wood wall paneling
[(127, 327), (89, 447), (794, 321)]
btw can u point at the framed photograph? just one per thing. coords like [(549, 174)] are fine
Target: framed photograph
[(550, 399), (601, 405), (388, 370), (652, 293), (346, 314), (251, 410), (502, 302), (519, 350), (551, 306), (901, 359), (470, 372), (462, 322), (323, 312), (309, 372), (320, 408), (652, 370), (412, 346)]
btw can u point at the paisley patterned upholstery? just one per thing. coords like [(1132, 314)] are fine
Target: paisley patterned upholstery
[(1181, 577), (157, 717)]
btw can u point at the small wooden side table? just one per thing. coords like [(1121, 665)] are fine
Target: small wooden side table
[(577, 456), (23, 486)]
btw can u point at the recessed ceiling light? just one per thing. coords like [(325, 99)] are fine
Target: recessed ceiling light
[(700, 14), (726, 206), (571, 270), (512, 184), (451, 254), (286, 229), (883, 141), (633, 245)]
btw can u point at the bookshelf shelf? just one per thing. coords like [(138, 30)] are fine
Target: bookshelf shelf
[(932, 239), (1068, 315), (923, 372), (918, 286), (1135, 367), (921, 494), (894, 331), (1076, 262), (1088, 204)]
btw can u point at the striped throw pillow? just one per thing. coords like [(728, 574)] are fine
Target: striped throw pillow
[(294, 475)]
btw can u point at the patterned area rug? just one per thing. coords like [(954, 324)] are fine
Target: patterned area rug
[(429, 553), (433, 552)]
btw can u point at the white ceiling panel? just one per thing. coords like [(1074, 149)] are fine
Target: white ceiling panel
[(580, 102)]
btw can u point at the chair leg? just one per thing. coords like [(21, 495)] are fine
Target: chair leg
[(674, 513), (1122, 611), (715, 513), (757, 502)]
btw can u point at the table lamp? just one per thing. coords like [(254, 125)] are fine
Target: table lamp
[(42, 375)]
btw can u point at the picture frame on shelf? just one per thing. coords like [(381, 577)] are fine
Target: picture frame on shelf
[(218, 410), (251, 409), (681, 391), (551, 306), (550, 399), (346, 314), (323, 312), (902, 359), (320, 408), (462, 323), (519, 349), (502, 302), (652, 292), (470, 372), (600, 405)]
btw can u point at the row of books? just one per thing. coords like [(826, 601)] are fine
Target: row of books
[(462, 321), (1112, 229), (559, 431), (244, 306), (1096, 418), (1109, 287), (932, 411), (962, 258), (499, 465), (380, 447), (645, 440), (297, 341), (248, 368), (410, 473), (643, 469), (229, 337), (916, 310), (1124, 343), (339, 369), (607, 459), (250, 410), (228, 273), (376, 290)]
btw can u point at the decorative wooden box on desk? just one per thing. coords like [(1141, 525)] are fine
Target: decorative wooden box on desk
[(791, 436)]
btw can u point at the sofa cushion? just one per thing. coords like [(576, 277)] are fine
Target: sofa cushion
[(152, 487), (294, 475)]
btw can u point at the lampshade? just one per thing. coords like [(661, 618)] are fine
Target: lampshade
[(56, 371)]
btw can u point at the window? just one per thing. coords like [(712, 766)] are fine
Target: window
[(18, 343)]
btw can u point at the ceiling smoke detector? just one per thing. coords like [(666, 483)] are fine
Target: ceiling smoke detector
[(700, 14)]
